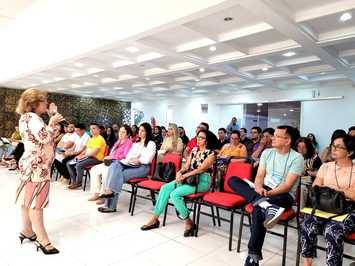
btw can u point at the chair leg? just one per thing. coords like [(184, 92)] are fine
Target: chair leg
[(85, 179), (165, 214), (131, 199), (198, 219), (152, 194), (218, 217), (240, 231), (284, 249), (213, 217), (298, 258), (134, 199), (249, 220), (231, 231)]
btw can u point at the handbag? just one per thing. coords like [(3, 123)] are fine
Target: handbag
[(328, 200), (107, 162), (192, 180), (166, 172)]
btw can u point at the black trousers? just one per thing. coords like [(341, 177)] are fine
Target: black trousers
[(62, 166), (18, 151), (258, 231)]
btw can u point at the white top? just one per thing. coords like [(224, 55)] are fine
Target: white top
[(69, 137), (80, 142), (144, 154)]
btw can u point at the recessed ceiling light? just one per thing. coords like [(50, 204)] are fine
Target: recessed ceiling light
[(228, 19), (285, 114), (202, 69), (345, 17), (132, 49), (322, 73), (260, 104), (147, 78), (264, 69), (289, 54), (291, 110), (213, 48), (192, 88), (258, 111)]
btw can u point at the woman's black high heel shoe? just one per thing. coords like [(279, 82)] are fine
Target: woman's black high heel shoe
[(191, 231), (45, 251), (22, 237)]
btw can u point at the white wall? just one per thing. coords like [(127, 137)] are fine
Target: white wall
[(320, 117)]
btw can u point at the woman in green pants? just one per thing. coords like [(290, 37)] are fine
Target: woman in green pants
[(200, 163)]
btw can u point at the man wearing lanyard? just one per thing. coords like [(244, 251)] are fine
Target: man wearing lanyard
[(273, 190)]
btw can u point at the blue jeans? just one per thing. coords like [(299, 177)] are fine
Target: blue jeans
[(117, 175), (5, 149)]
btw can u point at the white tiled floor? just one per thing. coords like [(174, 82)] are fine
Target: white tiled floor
[(86, 237)]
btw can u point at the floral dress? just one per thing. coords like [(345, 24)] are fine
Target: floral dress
[(36, 163)]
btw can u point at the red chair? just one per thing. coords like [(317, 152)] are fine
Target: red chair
[(87, 169), (153, 185), (284, 220), (135, 180), (227, 199)]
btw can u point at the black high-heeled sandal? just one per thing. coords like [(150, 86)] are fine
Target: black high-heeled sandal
[(191, 231), (22, 237), (45, 251)]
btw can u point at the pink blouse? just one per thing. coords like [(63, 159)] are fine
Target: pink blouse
[(38, 139), (120, 150)]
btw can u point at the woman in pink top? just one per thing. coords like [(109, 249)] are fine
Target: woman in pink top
[(35, 165), (99, 172)]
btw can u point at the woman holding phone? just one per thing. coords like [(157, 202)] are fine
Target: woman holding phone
[(35, 165)]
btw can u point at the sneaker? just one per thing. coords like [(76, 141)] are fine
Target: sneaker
[(272, 215), (251, 262)]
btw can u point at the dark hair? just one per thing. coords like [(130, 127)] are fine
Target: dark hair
[(223, 129), (61, 130), (159, 130), (102, 128), (314, 141), (349, 143), (309, 146), (292, 132), (257, 129), (149, 134), (245, 130), (80, 126), (205, 125), (269, 130), (351, 128), (337, 133), (94, 124), (128, 130), (236, 132), (134, 126), (162, 127)]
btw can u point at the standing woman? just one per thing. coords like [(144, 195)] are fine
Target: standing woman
[(35, 165)]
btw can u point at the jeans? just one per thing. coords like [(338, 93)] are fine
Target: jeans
[(5, 149), (62, 166), (76, 171), (258, 231), (334, 233), (117, 175)]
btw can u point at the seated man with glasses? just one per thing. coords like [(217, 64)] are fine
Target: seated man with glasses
[(274, 188)]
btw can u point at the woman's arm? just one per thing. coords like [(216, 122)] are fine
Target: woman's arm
[(207, 163), (38, 131)]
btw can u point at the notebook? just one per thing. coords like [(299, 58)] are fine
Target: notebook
[(326, 215)]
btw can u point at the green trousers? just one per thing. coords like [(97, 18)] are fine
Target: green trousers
[(176, 192)]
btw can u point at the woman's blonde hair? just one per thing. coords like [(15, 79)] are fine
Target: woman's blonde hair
[(30, 99)]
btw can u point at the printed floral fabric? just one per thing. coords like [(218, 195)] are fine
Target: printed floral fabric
[(38, 139)]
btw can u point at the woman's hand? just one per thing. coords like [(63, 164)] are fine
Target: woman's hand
[(350, 193), (179, 177), (134, 161), (108, 158), (260, 190), (55, 120)]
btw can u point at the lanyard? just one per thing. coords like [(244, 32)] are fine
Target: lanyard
[(351, 174), (273, 164)]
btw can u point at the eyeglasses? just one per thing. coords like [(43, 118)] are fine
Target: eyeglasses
[(200, 137), (338, 147)]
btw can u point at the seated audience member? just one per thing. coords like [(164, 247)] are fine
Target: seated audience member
[(222, 138), (64, 157), (68, 140), (103, 132), (99, 172), (351, 131), (199, 163), (244, 137), (110, 137), (163, 132), (136, 164), (171, 144), (312, 162), (116, 129), (326, 155), (59, 133), (232, 126), (135, 135), (336, 175), (273, 190), (255, 140), (93, 154), (8, 145), (14, 157), (312, 138), (157, 136), (183, 136), (265, 143), (234, 148), (193, 142)]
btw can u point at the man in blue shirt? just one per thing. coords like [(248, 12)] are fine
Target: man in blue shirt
[(274, 188), (232, 126)]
